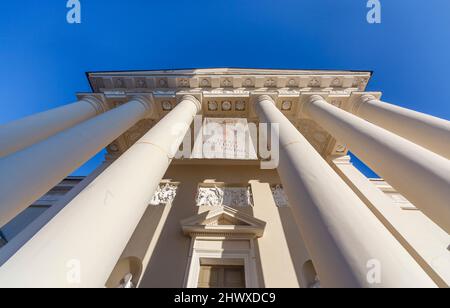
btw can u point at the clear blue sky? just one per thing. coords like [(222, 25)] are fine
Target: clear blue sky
[(43, 58)]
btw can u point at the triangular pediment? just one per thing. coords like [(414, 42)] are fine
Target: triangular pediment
[(223, 220), (226, 220)]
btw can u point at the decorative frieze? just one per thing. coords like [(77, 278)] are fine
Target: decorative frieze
[(238, 197), (210, 196), (224, 196), (165, 194)]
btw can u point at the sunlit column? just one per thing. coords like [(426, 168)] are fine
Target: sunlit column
[(28, 174), (343, 237), (422, 176), (425, 130), (19, 134), (88, 236)]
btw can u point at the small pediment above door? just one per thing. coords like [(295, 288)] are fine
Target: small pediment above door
[(226, 220), (223, 221)]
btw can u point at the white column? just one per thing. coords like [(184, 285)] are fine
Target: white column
[(343, 237), (91, 232), (428, 246), (28, 174), (422, 176), (30, 230), (22, 133), (425, 130)]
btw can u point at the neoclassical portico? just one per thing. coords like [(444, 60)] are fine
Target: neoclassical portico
[(142, 119)]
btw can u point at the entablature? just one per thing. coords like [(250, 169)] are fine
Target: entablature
[(231, 93)]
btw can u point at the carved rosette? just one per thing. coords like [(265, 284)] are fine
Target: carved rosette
[(165, 194)]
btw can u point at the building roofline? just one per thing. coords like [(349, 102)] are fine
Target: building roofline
[(88, 73)]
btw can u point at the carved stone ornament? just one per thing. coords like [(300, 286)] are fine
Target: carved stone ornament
[(184, 82), (238, 197), (210, 196), (220, 196), (165, 194), (279, 196)]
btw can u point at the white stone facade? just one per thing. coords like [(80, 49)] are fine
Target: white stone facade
[(314, 210)]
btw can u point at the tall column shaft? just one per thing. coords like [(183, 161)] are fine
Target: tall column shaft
[(81, 245), (428, 247), (28, 174), (425, 130), (279, 268), (422, 176), (31, 229), (22, 133), (342, 236)]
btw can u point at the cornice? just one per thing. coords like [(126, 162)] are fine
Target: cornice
[(232, 71), (227, 79)]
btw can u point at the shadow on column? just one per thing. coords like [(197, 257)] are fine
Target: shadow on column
[(297, 248), (134, 255), (167, 264)]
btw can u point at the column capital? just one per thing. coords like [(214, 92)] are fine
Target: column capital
[(264, 97), (362, 100), (315, 97), (194, 100), (99, 106), (309, 100), (357, 99), (368, 97), (145, 101)]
